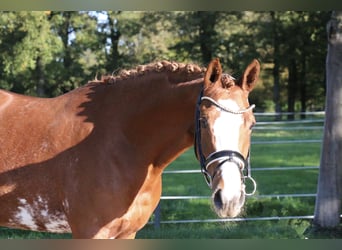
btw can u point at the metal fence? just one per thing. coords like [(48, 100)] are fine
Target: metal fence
[(305, 124)]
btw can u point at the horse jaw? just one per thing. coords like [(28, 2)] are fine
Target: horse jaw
[(228, 191)]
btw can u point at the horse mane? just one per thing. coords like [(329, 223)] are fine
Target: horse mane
[(188, 71), (176, 72)]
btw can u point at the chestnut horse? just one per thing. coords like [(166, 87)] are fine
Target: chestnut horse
[(90, 161)]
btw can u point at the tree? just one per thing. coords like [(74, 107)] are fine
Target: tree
[(26, 47), (114, 35), (207, 33), (276, 42), (81, 50), (328, 202), (52, 52)]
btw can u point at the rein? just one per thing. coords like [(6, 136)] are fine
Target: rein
[(221, 156)]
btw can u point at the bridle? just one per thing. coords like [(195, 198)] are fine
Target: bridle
[(221, 156)]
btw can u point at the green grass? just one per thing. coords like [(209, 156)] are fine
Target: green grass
[(269, 182), (231, 230), (7, 233)]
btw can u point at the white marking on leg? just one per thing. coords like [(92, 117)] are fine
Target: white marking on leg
[(54, 222), (24, 216), (66, 206), (30, 215), (58, 224)]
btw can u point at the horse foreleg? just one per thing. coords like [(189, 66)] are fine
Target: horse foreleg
[(131, 236), (109, 233)]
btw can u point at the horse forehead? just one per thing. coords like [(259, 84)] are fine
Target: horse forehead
[(239, 96), (229, 103), (233, 93)]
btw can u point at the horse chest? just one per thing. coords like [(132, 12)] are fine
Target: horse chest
[(136, 216)]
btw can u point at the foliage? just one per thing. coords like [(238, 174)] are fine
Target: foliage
[(26, 45), (52, 52)]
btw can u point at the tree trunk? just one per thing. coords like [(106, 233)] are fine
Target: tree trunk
[(276, 56), (64, 31), (303, 85), (40, 87), (114, 36), (291, 88), (207, 34), (328, 201)]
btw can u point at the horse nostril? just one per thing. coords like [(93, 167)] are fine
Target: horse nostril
[(218, 199)]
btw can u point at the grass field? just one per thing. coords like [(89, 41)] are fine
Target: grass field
[(269, 182)]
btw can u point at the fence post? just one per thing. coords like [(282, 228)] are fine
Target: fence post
[(157, 216)]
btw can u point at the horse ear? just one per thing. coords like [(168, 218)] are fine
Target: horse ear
[(250, 76), (213, 73)]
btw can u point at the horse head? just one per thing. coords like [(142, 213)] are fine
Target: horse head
[(223, 133)]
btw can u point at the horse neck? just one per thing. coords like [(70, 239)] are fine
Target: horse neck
[(157, 116)]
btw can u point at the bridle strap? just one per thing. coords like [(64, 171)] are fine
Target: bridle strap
[(222, 156), (198, 144), (235, 157), (235, 112)]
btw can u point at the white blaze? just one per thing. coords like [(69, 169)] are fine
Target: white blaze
[(226, 130), (232, 180), (227, 127)]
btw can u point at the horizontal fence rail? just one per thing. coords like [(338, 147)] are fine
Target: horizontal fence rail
[(293, 125), (238, 219), (290, 128), (157, 221), (286, 142), (194, 171), (298, 217), (275, 114), (290, 122), (190, 197)]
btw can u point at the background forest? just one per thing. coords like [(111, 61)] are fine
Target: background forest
[(49, 53)]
